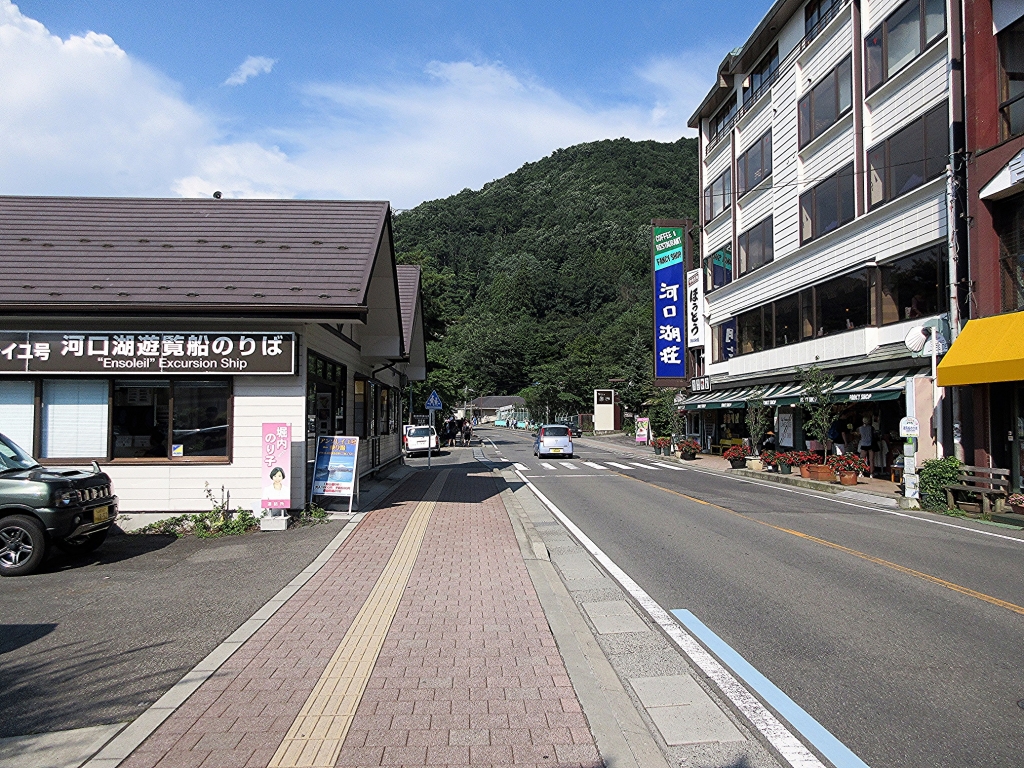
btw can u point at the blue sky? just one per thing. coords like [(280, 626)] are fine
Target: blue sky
[(403, 101)]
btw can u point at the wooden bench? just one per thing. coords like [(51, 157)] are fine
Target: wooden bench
[(986, 482)]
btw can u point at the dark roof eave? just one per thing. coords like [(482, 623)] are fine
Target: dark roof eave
[(785, 8), (105, 309)]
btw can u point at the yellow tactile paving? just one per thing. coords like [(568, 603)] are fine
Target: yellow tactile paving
[(319, 730)]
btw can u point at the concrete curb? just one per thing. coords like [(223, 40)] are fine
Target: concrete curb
[(128, 740)]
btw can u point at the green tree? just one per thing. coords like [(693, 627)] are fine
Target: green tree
[(758, 418), (820, 404)]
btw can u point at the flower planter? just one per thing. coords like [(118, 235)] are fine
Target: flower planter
[(738, 463), (849, 477), (755, 465), (805, 471), (785, 469), (657, 451), (822, 474), (687, 456)]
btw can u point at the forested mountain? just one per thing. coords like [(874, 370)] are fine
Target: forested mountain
[(539, 283)]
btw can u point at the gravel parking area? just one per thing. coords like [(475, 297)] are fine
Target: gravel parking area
[(96, 639)]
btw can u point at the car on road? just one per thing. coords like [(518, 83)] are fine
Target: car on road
[(40, 507), (420, 439), (553, 440), (574, 430)]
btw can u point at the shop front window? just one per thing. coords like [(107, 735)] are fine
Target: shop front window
[(74, 418), (200, 419), (141, 417), (17, 412)]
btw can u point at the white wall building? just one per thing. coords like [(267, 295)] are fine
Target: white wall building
[(823, 154)]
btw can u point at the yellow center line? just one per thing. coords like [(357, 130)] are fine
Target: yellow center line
[(316, 737), (856, 553)]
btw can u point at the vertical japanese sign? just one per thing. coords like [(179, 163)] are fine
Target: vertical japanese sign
[(694, 308), (334, 473), (277, 465), (669, 347), (728, 331)]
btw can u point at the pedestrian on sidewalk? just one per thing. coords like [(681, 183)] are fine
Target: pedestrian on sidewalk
[(467, 433), (866, 444)]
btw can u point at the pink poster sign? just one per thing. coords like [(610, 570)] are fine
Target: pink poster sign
[(277, 465)]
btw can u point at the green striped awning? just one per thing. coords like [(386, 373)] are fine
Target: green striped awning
[(888, 385)]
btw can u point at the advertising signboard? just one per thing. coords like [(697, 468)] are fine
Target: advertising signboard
[(334, 472), (669, 321), (643, 429), (728, 331), (129, 353), (694, 308), (276, 466)]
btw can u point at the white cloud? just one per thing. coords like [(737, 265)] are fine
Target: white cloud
[(80, 116), (252, 66)]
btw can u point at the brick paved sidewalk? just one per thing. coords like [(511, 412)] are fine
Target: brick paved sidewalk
[(468, 673)]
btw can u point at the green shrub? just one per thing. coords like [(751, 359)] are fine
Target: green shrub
[(936, 473)]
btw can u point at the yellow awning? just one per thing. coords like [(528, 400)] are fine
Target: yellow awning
[(987, 350)]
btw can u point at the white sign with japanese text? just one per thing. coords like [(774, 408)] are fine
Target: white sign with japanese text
[(694, 308), (146, 352)]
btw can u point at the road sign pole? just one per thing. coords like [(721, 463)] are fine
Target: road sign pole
[(430, 439)]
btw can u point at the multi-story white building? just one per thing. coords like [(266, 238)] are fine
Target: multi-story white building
[(823, 155)]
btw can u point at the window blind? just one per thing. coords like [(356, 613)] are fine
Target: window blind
[(17, 412), (74, 418)]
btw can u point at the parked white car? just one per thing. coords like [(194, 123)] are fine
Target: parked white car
[(419, 439)]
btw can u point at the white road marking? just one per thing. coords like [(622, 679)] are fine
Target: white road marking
[(619, 466), (778, 735), (568, 465), (523, 467), (546, 465), (668, 466), (644, 466), (593, 464)]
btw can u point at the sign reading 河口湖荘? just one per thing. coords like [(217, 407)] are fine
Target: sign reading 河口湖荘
[(669, 319), (146, 352)]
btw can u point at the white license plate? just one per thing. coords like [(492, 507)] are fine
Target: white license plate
[(556, 450), (101, 514)]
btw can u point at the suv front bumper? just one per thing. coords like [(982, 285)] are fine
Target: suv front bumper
[(80, 520)]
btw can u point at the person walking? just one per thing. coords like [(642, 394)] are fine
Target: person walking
[(866, 444), (467, 433)]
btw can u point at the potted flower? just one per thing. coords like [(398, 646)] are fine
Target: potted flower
[(660, 444), (807, 459), (1016, 500), (784, 461), (736, 455), (768, 458), (688, 449), (847, 466)]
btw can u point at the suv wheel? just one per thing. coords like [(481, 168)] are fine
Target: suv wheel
[(22, 545), (83, 544)]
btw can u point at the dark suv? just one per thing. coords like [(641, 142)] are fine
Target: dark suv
[(40, 506)]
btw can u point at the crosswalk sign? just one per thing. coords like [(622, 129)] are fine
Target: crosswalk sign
[(434, 402)]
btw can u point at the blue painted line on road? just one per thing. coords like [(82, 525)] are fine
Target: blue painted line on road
[(832, 748)]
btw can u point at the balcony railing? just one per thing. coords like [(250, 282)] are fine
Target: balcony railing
[(749, 103)]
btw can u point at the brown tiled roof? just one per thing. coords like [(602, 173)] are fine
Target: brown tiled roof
[(131, 256), (408, 294)]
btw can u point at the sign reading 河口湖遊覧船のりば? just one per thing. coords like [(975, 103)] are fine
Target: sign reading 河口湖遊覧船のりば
[(146, 352), (669, 317)]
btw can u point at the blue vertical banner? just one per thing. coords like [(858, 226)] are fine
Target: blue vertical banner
[(669, 298)]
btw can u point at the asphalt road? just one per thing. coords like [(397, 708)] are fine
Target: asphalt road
[(95, 640), (905, 670)]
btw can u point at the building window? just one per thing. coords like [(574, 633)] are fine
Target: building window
[(827, 206), (74, 418), (200, 419), (164, 419), (914, 286), (718, 268), (755, 246), (842, 304), (722, 119), (818, 13), (18, 412), (910, 157), (826, 102), (787, 321), (901, 38), (1011, 80), (759, 80), (142, 411), (754, 165), (750, 328), (718, 196), (1008, 216)]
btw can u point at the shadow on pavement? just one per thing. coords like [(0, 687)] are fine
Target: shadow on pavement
[(118, 547), (14, 636)]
